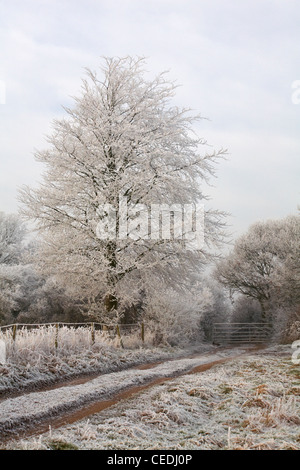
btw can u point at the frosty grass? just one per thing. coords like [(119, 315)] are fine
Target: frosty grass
[(249, 403)]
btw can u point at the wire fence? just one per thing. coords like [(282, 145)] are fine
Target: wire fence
[(112, 330)]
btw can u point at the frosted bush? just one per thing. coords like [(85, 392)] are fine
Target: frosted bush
[(175, 318), (30, 344), (44, 355)]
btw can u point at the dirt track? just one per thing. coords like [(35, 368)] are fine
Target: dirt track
[(34, 413)]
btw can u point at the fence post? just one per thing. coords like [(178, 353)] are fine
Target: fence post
[(119, 335), (56, 336), (143, 332), (14, 332), (93, 333)]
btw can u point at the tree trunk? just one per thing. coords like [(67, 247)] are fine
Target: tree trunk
[(111, 302), (264, 312)]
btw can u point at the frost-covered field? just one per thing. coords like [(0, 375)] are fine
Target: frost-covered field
[(22, 413), (251, 402), (40, 357)]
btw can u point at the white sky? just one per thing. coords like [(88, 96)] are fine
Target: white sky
[(236, 61)]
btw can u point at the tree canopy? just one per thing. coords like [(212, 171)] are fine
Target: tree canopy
[(264, 264), (123, 140)]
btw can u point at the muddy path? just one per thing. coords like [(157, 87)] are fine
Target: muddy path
[(83, 377), (98, 406), (84, 401)]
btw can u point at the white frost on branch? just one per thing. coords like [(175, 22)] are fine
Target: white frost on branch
[(122, 139)]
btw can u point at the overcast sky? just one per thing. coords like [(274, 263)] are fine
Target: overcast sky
[(236, 61)]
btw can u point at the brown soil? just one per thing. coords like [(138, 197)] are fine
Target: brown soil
[(96, 407)]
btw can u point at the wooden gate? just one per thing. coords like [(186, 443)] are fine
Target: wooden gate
[(241, 333)]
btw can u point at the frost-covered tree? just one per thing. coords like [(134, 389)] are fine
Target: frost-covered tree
[(122, 141), (264, 264), (12, 234), (218, 310), (245, 310), (25, 295), (176, 316)]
